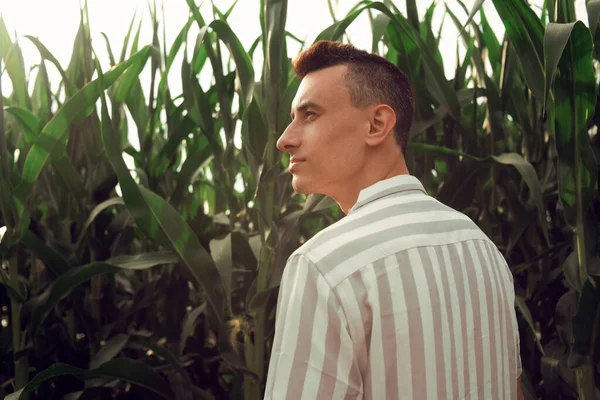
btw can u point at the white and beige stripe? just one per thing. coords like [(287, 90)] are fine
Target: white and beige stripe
[(404, 298)]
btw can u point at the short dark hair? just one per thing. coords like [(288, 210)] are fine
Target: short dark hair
[(370, 79)]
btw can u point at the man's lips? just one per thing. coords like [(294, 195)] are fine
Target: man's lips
[(294, 163)]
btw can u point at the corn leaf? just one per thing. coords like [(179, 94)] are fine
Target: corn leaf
[(178, 132), (14, 292), (9, 213), (426, 31), (95, 212), (42, 95), (144, 260), (189, 324), (495, 116), (221, 251), (254, 136), (53, 137), (160, 221), (275, 73), (31, 124), (69, 174), (423, 147), (491, 43), (413, 14), (476, 7), (378, 26), (258, 301), (173, 50), (76, 69), (549, 11), (317, 202), (5, 42), (475, 54), (52, 260), (286, 103), (570, 268), (404, 53), (243, 63), (244, 68), (526, 313), (126, 39), (587, 308), (15, 67), (465, 98), (199, 155), (223, 16), (136, 39), (46, 54), (129, 90), (196, 100), (526, 34), (63, 164), (569, 49), (593, 9), (110, 350), (530, 178), (111, 55), (168, 356), (60, 288), (136, 372), (129, 79), (566, 11)]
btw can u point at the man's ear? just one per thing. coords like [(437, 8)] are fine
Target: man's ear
[(383, 120)]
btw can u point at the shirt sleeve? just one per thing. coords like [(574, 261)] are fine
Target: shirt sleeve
[(313, 355)]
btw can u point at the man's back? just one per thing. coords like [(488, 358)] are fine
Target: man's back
[(404, 298)]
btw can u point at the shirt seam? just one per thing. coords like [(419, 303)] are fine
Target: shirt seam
[(375, 197), (383, 257), (333, 291)]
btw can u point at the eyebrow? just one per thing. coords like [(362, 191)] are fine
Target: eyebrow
[(304, 106)]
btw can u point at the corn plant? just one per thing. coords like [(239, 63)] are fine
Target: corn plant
[(161, 280)]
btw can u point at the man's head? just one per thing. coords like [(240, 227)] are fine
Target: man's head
[(351, 106)]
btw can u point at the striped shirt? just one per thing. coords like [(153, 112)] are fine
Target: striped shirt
[(404, 298)]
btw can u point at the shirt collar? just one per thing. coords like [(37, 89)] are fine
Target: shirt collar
[(386, 187)]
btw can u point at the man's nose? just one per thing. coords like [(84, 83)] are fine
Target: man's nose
[(288, 141)]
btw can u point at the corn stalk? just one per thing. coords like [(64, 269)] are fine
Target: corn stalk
[(274, 82)]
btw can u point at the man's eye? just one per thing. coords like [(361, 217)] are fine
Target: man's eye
[(310, 115)]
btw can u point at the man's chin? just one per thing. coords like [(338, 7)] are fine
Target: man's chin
[(300, 186)]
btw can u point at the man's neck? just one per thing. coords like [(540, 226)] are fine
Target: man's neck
[(348, 199)]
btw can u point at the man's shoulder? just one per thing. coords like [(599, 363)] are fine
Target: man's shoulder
[(398, 216), (317, 240), (383, 229)]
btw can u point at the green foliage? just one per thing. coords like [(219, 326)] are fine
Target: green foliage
[(159, 279)]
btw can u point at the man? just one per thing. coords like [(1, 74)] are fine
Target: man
[(404, 298)]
